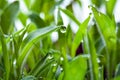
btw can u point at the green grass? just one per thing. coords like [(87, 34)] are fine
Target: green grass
[(30, 54)]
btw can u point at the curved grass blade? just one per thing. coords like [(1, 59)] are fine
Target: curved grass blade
[(37, 5), (93, 59), (110, 4), (51, 57), (95, 35), (30, 40), (8, 16), (70, 15), (44, 68), (23, 18), (38, 66), (28, 3), (107, 29), (97, 2), (5, 56), (79, 36), (37, 20)]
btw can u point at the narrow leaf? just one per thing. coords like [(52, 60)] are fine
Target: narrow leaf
[(5, 56), (30, 40), (8, 16), (37, 20), (110, 4), (107, 30), (79, 36), (70, 15), (93, 59), (118, 43)]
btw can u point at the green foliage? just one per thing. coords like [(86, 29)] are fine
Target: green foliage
[(107, 25), (73, 70), (8, 16), (71, 16), (110, 7), (37, 20), (79, 36), (30, 53)]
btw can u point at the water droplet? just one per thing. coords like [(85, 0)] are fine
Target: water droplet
[(55, 64), (11, 39), (14, 62), (98, 60), (61, 58), (54, 67), (81, 41), (63, 29), (90, 13), (90, 6), (106, 0), (40, 77), (61, 69), (50, 56)]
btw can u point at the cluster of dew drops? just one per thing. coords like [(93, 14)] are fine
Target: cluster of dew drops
[(50, 56)]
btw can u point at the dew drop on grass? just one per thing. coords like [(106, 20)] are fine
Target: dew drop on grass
[(61, 58), (106, 0), (63, 29), (40, 77), (50, 56), (98, 60), (55, 64), (14, 62), (61, 69), (90, 14), (54, 67), (11, 39), (90, 6)]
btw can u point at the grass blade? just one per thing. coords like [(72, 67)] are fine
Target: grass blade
[(38, 66), (5, 57), (118, 44), (71, 16), (110, 4), (8, 16), (30, 40), (37, 20), (93, 59), (76, 72), (107, 30), (79, 36), (23, 18)]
